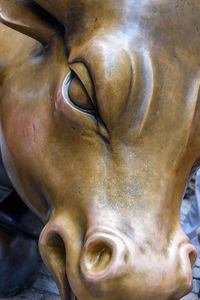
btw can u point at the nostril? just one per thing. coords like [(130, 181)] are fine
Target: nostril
[(53, 252), (189, 254), (192, 256), (98, 256), (54, 242), (104, 256)]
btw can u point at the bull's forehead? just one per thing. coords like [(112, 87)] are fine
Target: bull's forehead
[(86, 16)]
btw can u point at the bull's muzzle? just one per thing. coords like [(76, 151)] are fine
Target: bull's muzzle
[(107, 262)]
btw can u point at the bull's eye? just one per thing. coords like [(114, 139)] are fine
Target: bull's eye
[(76, 94)]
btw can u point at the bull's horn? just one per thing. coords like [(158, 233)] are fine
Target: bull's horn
[(27, 17), (58, 8)]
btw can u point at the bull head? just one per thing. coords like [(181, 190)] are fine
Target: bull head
[(99, 130)]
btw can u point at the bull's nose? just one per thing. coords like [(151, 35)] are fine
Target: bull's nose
[(192, 254), (104, 256), (188, 254)]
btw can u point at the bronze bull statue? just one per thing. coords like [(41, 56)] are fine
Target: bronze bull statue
[(100, 127)]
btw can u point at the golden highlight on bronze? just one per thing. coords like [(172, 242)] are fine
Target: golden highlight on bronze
[(100, 128)]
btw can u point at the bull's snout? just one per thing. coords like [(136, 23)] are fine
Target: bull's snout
[(108, 256), (104, 256), (109, 262)]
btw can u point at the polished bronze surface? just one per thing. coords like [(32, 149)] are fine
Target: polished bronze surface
[(99, 130)]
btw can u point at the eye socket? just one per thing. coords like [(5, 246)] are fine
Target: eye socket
[(76, 94)]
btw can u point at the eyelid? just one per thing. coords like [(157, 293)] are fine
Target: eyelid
[(84, 76), (65, 92)]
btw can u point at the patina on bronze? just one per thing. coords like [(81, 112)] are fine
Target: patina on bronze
[(99, 130)]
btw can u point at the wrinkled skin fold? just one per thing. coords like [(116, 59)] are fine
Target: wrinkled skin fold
[(99, 130)]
